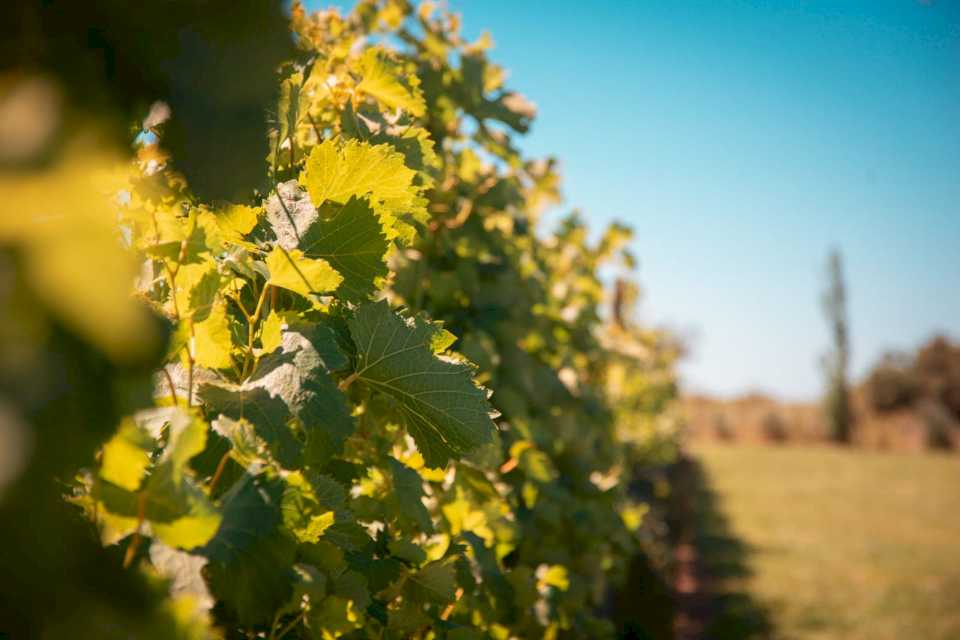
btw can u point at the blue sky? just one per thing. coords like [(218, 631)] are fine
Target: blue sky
[(744, 138)]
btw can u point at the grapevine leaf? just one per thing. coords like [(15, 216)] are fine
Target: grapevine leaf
[(181, 239), (352, 586), (435, 582), (408, 491), (491, 574), (258, 582), (335, 173), (250, 565), (407, 618), (197, 286), (253, 403), (350, 238), (303, 514), (237, 221), (381, 79), (292, 270), (126, 456), (345, 532), (334, 617), (179, 512), (271, 335), (445, 412), (407, 551), (556, 576), (251, 510), (291, 383), (212, 339)]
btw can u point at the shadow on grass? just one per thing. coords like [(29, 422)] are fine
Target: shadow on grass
[(712, 563)]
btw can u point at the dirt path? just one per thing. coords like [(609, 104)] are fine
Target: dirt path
[(707, 556)]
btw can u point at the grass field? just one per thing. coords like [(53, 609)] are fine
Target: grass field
[(822, 543)]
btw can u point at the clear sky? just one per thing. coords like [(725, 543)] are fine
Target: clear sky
[(742, 139)]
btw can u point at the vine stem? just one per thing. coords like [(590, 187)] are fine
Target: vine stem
[(135, 543), (251, 330), (289, 626), (173, 387), (346, 382), (219, 472)]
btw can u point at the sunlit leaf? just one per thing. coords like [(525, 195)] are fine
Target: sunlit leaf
[(446, 413)]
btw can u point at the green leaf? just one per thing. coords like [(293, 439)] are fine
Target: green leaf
[(435, 582), (250, 567), (258, 581), (345, 532), (350, 238), (255, 403), (251, 511), (408, 493), (293, 382), (179, 512), (303, 514), (445, 412), (407, 551), (352, 586), (381, 79), (292, 270), (333, 618)]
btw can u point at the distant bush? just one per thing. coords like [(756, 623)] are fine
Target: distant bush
[(775, 428), (927, 382), (900, 381), (892, 384), (937, 367), (722, 428)]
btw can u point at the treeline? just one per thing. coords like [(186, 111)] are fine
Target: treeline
[(926, 382), (906, 401)]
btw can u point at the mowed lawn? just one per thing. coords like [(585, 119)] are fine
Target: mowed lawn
[(843, 544)]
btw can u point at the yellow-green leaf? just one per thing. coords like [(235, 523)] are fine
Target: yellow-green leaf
[(377, 172), (212, 340), (126, 456), (237, 221), (294, 271), (382, 80), (271, 335), (556, 576), (189, 531)]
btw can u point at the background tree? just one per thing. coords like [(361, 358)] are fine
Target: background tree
[(836, 362)]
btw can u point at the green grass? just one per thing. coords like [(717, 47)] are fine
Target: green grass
[(839, 544)]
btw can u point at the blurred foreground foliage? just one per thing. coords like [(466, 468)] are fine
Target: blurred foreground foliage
[(273, 437)]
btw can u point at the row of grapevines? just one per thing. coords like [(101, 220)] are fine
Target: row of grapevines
[(319, 461)]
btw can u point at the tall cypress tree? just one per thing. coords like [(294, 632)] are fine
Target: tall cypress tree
[(836, 361)]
